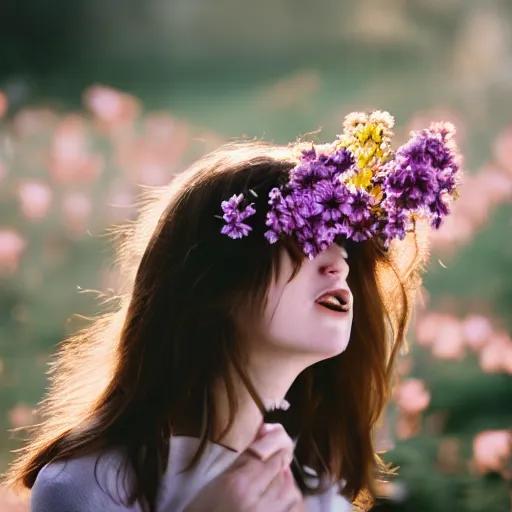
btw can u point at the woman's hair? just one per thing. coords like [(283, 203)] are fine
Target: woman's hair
[(151, 362)]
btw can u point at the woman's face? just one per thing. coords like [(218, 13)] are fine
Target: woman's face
[(312, 313)]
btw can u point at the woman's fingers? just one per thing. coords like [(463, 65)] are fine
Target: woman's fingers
[(262, 463), (282, 493), (273, 439), (254, 476), (260, 480)]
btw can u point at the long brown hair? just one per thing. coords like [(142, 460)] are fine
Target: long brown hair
[(127, 379)]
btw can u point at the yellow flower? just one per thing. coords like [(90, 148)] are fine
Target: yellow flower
[(344, 142), (376, 192), (362, 179), (368, 138)]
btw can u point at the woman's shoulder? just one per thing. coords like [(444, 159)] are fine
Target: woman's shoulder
[(84, 484)]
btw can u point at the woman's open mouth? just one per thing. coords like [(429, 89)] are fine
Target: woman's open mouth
[(336, 300)]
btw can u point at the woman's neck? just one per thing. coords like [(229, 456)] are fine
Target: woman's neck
[(270, 377), (270, 381), (247, 420)]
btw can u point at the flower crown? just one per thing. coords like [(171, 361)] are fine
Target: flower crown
[(358, 187)]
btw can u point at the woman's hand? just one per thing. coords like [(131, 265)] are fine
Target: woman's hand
[(260, 479)]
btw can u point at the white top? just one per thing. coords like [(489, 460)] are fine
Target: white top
[(79, 485)]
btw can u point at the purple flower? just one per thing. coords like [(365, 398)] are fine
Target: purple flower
[(345, 228), (447, 177), (394, 224), (414, 151), (309, 154), (231, 206), (234, 217), (280, 217), (362, 234), (307, 173), (364, 230), (274, 220), (236, 230), (424, 172), (436, 151), (271, 236), (231, 209), (303, 206), (280, 221), (413, 185), (358, 206), (330, 198), (310, 249), (426, 147), (439, 209), (274, 196), (343, 160), (433, 148), (306, 239), (324, 235)]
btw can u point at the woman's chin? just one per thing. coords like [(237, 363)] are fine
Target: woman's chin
[(333, 342), (334, 349), (321, 346), (315, 340)]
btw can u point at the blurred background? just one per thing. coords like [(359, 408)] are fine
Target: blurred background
[(98, 98)]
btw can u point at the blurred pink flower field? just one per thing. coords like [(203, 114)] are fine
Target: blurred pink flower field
[(67, 176)]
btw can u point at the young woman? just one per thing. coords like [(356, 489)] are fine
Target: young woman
[(249, 356)]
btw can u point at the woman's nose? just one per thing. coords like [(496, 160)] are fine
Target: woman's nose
[(334, 262)]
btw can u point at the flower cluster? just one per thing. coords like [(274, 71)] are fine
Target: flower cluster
[(424, 173), (358, 188), (235, 216), (316, 205), (368, 137)]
